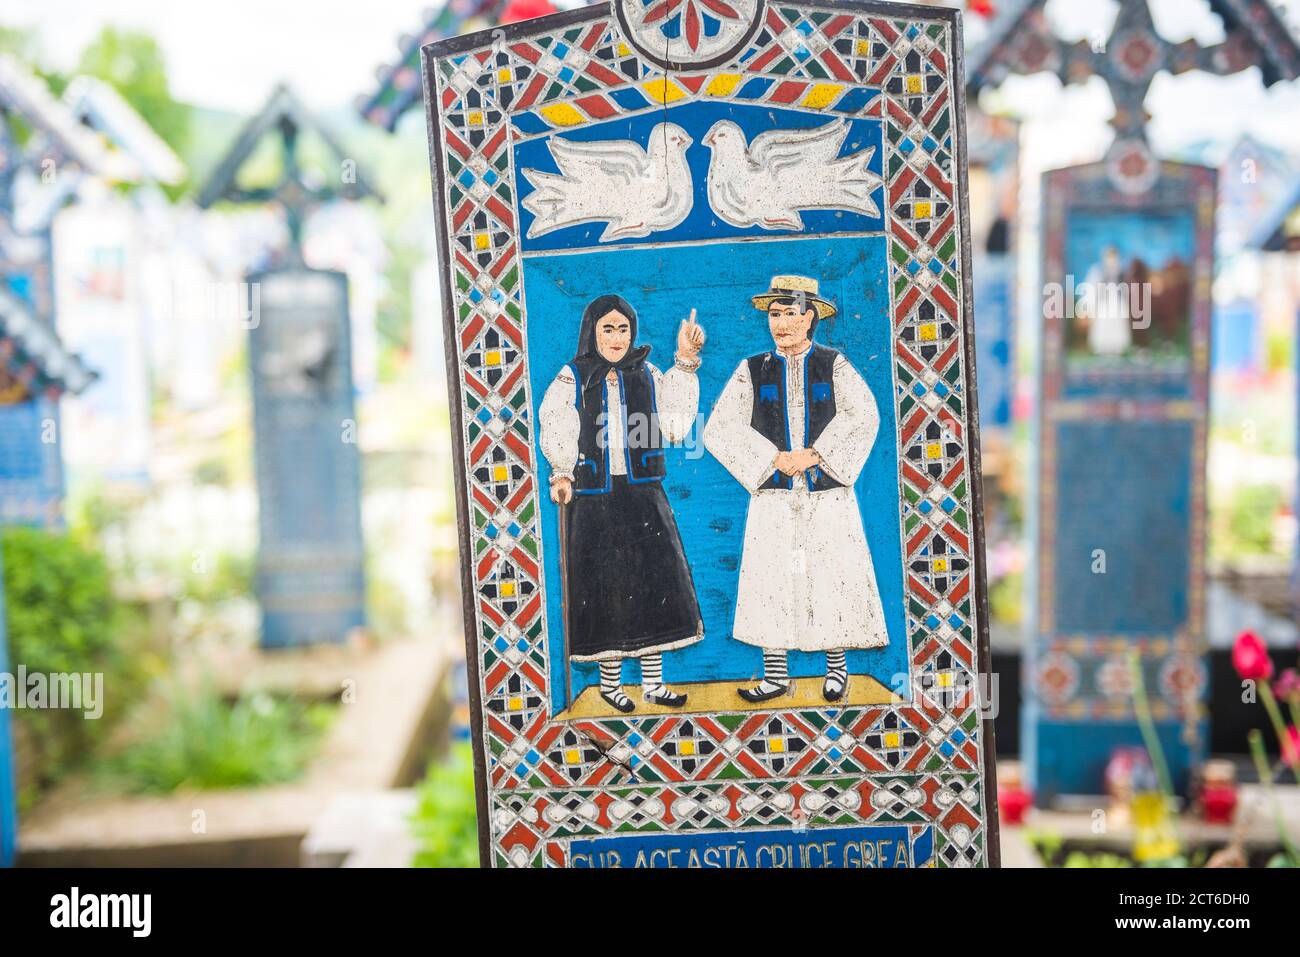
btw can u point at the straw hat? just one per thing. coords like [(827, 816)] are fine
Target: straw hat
[(795, 287)]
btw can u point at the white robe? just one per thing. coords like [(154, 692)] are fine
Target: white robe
[(806, 578), (677, 397), (1110, 331)]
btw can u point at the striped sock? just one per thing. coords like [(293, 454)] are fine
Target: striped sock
[(776, 679), (652, 671), (775, 667), (610, 673), (837, 675)]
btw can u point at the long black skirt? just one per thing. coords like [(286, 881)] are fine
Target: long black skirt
[(630, 588)]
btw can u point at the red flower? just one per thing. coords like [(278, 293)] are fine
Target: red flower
[(983, 8), (1291, 747), (517, 10), (1287, 684), (1250, 657)]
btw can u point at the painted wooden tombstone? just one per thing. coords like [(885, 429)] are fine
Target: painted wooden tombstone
[(1119, 508), (707, 287), (310, 577), (311, 555), (1120, 539)]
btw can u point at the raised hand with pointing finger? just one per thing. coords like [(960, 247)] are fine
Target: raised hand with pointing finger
[(690, 339)]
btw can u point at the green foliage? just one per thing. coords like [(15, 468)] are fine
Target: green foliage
[(62, 618), (1247, 528), (134, 64), (445, 817), (225, 576), (94, 513), (59, 601), (385, 607), (393, 321), (1099, 859), (206, 742), (212, 471), (1278, 351), (1006, 598), (1046, 844)]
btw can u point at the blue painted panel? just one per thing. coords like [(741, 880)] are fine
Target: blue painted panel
[(20, 444), (8, 784), (697, 119), (1238, 337), (1155, 251), (310, 577), (663, 285), (31, 472), (1125, 488), (1065, 757), (1122, 433), (888, 845), (994, 340)]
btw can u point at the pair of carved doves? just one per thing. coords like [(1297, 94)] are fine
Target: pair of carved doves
[(637, 191)]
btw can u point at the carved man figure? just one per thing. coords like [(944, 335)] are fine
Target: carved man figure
[(794, 426)]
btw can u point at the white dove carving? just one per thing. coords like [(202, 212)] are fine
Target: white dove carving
[(634, 191), (767, 182)]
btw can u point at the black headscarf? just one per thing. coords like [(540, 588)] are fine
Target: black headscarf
[(591, 365)]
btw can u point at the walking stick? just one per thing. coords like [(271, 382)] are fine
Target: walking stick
[(564, 605)]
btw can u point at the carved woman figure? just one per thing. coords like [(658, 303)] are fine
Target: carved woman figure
[(602, 426)]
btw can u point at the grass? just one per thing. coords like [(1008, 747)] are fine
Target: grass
[(206, 743), (445, 819)]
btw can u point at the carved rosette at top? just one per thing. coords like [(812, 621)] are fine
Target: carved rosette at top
[(688, 34)]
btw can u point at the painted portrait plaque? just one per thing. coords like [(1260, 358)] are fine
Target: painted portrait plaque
[(707, 289), (1120, 474)]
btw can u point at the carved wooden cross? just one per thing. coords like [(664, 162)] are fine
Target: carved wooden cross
[(1022, 42)]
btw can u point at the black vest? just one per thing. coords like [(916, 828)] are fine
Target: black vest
[(642, 441), (767, 373)]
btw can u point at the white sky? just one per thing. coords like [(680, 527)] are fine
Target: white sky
[(228, 54)]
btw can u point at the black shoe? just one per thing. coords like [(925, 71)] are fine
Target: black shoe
[(763, 691), (665, 696), (835, 685), (619, 701)]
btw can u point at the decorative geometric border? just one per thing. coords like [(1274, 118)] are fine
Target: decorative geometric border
[(1172, 663), (891, 62)]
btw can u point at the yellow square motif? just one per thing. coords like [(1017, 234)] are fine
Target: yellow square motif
[(862, 47), (932, 450), (685, 748), (475, 118), (572, 756), (481, 241), (492, 358), (939, 564), (946, 679), (515, 704), (507, 589), (504, 75), (921, 210), (892, 739), (500, 473), (929, 331), (914, 84), (776, 745)]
